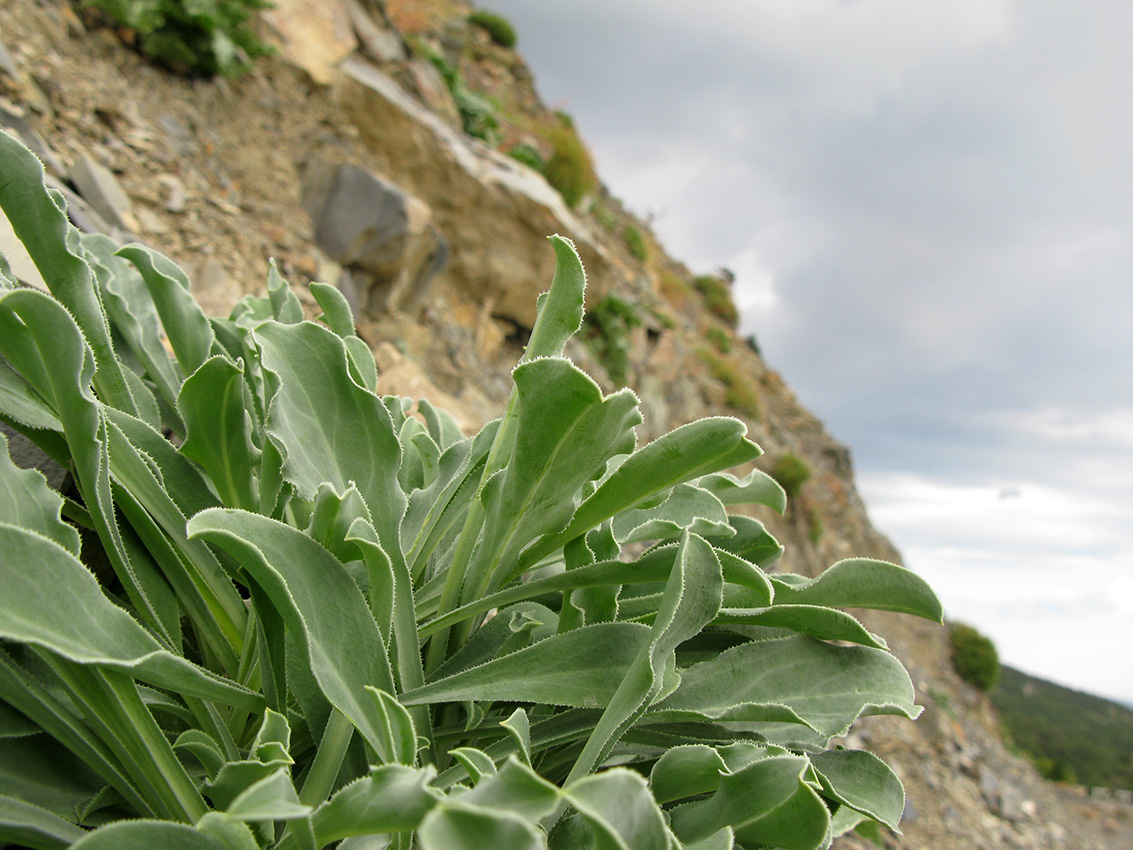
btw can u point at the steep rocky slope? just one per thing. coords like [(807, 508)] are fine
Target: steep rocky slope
[(223, 175)]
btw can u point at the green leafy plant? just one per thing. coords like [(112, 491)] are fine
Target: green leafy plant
[(496, 26), (635, 243), (719, 339), (606, 329), (529, 156), (792, 472), (815, 527), (329, 616), (477, 113), (717, 295), (738, 390), (192, 36), (570, 170), (974, 656)]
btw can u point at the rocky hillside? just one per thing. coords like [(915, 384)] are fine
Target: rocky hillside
[(348, 157)]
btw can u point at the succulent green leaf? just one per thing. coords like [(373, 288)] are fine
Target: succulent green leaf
[(362, 364), (22, 404), (285, 306), (696, 449), (331, 428), (271, 798), (396, 728), (458, 826), (39, 219), (26, 501), (582, 668), (752, 680), (218, 432), (620, 810), (337, 314), (863, 782), (190, 568), (105, 636), (433, 512), (442, 427), (518, 726), (813, 620), (864, 583), (186, 326), (43, 343), (721, 840), (560, 314), (232, 833), (24, 823), (133, 316), (146, 835), (756, 488), (393, 798), (514, 788), (751, 542), (653, 567), (322, 606), (204, 748), (38, 770), (476, 763), (690, 601), (565, 433), (751, 798), (687, 507)]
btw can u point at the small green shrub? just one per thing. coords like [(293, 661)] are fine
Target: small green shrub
[(752, 343), (607, 331), (570, 169), (529, 156), (635, 243), (497, 26), (717, 297), (791, 471), (605, 217), (192, 36), (815, 528), (477, 113), (739, 392), (974, 657), (719, 339), (325, 618)]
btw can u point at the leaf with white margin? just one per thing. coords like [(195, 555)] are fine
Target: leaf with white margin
[(826, 687), (28, 502), (104, 635), (863, 583)]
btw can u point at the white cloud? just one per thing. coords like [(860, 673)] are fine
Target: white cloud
[(1062, 426), (1046, 573), (1007, 515)]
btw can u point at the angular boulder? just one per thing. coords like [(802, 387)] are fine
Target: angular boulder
[(314, 35), (384, 236), (495, 213)]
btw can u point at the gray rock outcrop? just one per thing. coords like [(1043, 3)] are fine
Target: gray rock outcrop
[(499, 251), (381, 234)]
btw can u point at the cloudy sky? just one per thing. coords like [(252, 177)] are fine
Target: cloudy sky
[(929, 208)]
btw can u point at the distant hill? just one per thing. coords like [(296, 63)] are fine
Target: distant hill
[(1070, 735)]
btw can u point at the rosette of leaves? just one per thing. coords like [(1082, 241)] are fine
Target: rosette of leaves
[(331, 617)]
